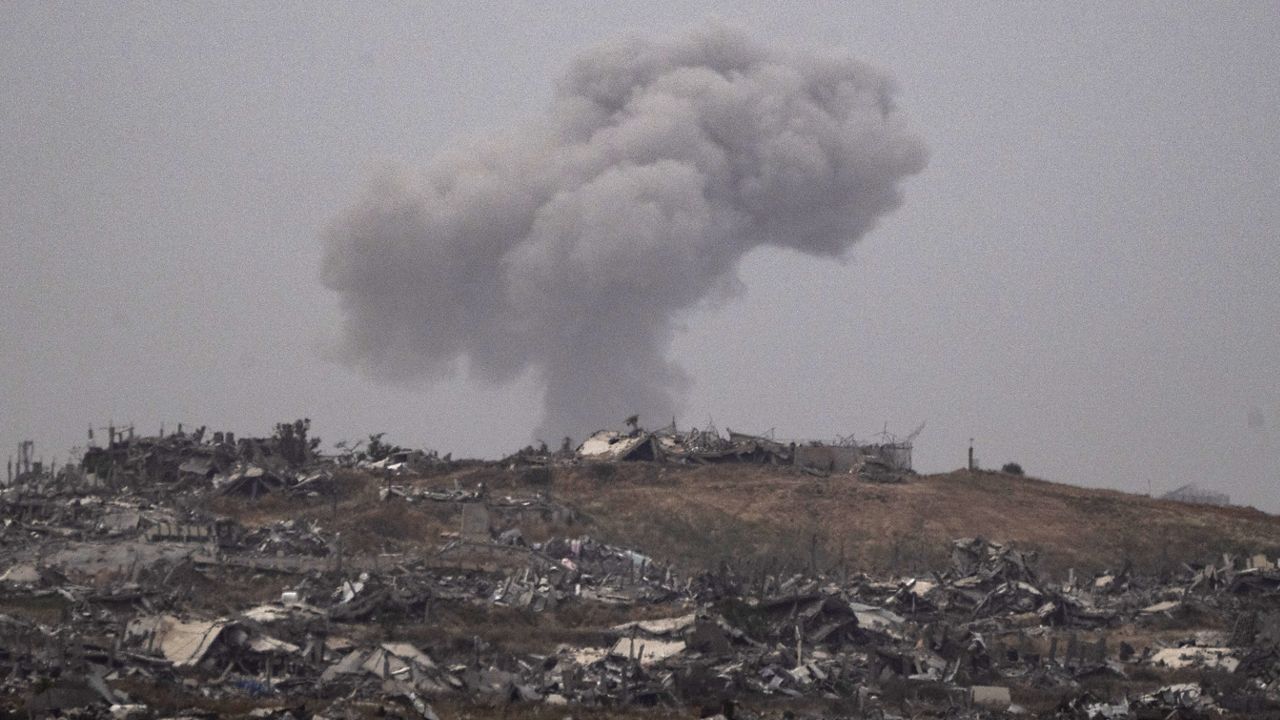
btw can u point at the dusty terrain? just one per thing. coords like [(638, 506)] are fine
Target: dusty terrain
[(760, 516), (765, 553)]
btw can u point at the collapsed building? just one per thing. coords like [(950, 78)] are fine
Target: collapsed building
[(199, 456), (130, 582), (1196, 495), (967, 641), (887, 461)]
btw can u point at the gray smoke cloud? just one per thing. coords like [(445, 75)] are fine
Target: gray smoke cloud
[(569, 246)]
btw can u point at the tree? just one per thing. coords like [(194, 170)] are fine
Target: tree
[(294, 445), (377, 450)]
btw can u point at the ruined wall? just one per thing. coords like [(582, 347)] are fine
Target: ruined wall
[(831, 458)]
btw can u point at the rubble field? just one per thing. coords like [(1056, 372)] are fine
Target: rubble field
[(199, 575)]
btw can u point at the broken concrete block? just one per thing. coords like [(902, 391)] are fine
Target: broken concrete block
[(995, 697)]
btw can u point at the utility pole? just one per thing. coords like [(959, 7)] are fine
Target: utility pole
[(970, 454)]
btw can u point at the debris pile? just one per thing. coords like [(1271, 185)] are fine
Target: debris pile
[(114, 593), (888, 461)]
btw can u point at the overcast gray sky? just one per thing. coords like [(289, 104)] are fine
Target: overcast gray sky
[(1085, 278)]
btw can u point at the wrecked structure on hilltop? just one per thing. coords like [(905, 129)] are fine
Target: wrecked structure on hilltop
[(288, 460), (887, 461), (199, 456), (1196, 495)]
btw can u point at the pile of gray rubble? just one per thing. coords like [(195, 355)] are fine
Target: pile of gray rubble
[(105, 598)]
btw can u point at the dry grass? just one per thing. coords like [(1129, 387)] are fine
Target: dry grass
[(749, 515), (367, 524), (774, 519)]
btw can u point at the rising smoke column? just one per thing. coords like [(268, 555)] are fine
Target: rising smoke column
[(569, 245)]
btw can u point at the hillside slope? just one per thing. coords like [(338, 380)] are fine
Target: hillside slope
[(746, 514), (775, 519)]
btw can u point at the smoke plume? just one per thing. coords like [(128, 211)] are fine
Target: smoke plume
[(568, 246)]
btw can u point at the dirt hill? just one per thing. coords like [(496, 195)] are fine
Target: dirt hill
[(772, 519), (745, 514)]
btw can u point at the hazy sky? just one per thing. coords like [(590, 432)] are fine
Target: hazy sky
[(1085, 278)]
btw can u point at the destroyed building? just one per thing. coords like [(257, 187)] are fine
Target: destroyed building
[(130, 598), (1196, 495), (885, 461)]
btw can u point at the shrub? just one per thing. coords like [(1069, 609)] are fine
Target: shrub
[(603, 471), (378, 450), (1011, 469), (536, 476)]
